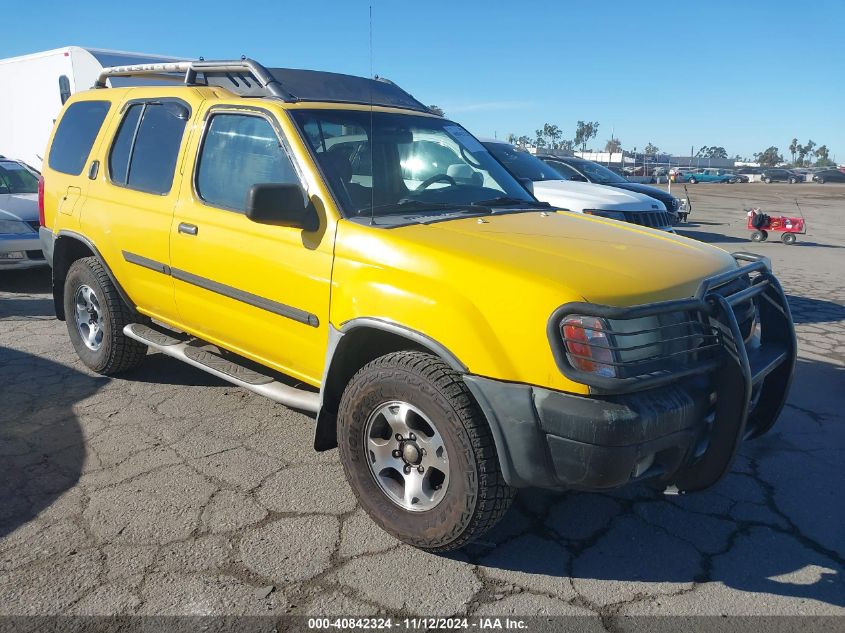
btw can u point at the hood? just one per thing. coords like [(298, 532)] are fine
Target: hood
[(647, 190), (577, 196), (19, 206), (582, 257)]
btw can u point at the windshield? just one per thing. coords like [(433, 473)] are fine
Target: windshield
[(383, 163), (15, 178), (597, 173), (522, 164)]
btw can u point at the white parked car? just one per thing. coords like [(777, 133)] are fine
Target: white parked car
[(19, 243), (550, 186)]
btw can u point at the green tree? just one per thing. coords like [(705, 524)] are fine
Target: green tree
[(793, 149), (584, 131), (651, 149), (769, 157), (539, 139), (712, 152), (437, 110), (613, 146), (822, 155), (808, 149)]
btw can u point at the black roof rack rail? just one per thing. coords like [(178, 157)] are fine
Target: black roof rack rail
[(247, 78)]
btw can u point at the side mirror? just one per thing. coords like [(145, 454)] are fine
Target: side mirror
[(281, 205), (528, 184)]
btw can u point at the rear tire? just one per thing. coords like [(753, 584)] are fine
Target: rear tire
[(768, 181), (792, 181), (820, 181), (95, 316), (692, 180), (384, 405), (788, 238)]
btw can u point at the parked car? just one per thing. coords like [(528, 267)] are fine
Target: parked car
[(580, 196), (737, 177), (19, 243), (708, 174), (455, 338), (829, 175), (776, 174), (573, 168)]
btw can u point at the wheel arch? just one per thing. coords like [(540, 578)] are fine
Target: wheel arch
[(68, 248), (353, 345)]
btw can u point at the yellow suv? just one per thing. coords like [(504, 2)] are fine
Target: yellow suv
[(329, 242)]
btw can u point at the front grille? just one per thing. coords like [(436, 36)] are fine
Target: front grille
[(35, 255), (34, 224), (651, 219), (654, 344)]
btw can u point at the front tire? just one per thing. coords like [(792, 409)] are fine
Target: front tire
[(792, 181), (788, 238), (768, 181), (820, 181), (419, 454), (759, 236), (692, 181), (95, 316)]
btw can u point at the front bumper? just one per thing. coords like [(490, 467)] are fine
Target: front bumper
[(20, 251), (682, 426)]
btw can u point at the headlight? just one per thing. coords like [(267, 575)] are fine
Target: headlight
[(14, 227), (587, 345), (612, 215)]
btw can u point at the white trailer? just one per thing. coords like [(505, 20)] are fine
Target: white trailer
[(34, 87)]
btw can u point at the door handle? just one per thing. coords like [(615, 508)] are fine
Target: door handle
[(188, 229)]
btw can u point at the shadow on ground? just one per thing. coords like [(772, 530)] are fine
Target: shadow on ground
[(807, 310), (706, 236), (35, 280), (163, 370), (42, 448), (773, 525)]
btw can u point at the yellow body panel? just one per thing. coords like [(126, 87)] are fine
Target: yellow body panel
[(484, 289)]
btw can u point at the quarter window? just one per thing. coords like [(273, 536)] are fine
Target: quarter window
[(146, 147), (238, 152), (75, 136)]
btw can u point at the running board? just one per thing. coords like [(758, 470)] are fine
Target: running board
[(188, 351)]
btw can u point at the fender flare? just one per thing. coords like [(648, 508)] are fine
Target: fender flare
[(325, 430), (58, 283)]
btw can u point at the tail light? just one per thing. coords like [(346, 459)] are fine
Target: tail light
[(41, 201), (588, 346)]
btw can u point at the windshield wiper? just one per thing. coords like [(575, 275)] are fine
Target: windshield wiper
[(407, 206), (509, 201)]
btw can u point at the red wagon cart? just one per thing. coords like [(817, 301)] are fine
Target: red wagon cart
[(760, 224)]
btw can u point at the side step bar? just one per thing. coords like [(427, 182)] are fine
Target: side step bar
[(189, 351)]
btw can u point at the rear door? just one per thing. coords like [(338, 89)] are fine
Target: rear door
[(129, 207)]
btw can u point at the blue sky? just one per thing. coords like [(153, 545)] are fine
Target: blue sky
[(743, 74)]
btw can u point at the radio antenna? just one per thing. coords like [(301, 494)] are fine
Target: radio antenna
[(372, 171)]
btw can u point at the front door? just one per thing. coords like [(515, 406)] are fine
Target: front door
[(256, 289)]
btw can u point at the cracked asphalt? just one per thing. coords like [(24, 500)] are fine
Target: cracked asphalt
[(167, 491)]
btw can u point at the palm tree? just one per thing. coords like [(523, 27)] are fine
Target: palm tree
[(793, 148)]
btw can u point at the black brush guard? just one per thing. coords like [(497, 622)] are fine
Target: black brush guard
[(750, 383)]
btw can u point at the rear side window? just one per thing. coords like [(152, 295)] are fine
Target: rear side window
[(75, 136), (144, 152), (240, 151)]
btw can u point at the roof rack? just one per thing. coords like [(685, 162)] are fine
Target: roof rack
[(242, 69), (248, 78)]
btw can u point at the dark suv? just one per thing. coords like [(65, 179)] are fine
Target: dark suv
[(780, 175), (579, 169)]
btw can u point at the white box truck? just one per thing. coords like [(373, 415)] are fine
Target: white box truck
[(34, 87)]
